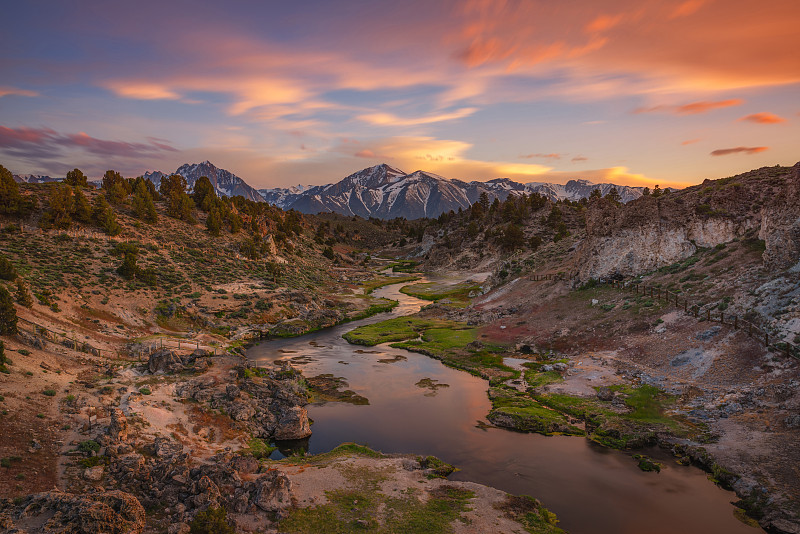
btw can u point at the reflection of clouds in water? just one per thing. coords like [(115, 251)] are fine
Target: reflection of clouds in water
[(592, 488)]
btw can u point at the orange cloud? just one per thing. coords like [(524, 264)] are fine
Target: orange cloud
[(8, 91), (763, 118), (603, 23), (389, 119), (543, 156), (687, 8), (692, 108), (739, 150), (690, 142)]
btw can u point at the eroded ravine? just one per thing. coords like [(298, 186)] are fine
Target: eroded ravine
[(591, 488)]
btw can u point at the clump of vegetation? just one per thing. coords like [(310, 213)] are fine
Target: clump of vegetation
[(457, 294), (211, 521), (259, 449), (89, 446), (529, 512), (646, 463), (437, 467)]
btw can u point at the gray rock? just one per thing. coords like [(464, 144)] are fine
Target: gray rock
[(293, 424), (118, 428), (94, 474), (605, 394), (232, 391), (178, 528), (241, 411), (165, 361), (793, 421), (272, 491)]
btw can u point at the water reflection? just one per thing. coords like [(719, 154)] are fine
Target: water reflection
[(591, 488)]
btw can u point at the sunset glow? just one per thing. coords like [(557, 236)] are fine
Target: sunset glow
[(638, 93)]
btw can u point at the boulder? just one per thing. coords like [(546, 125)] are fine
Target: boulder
[(165, 361), (118, 428), (94, 474), (272, 491), (604, 393), (241, 411), (293, 424)]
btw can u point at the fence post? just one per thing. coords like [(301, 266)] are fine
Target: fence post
[(766, 339), (750, 329), (736, 322), (708, 314)]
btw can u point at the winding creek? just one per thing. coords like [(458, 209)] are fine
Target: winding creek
[(592, 489)]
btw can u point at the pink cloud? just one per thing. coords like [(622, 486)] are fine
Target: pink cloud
[(45, 143), (542, 156), (763, 118), (693, 108), (739, 150)]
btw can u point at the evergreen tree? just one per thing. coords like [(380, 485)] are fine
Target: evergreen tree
[(104, 216), (483, 200), (204, 194), (115, 187), (143, 204), (23, 296), (81, 210), (214, 222), (59, 213), (128, 268), (8, 314), (646, 192), (595, 194), (7, 270), (657, 192), (180, 205), (172, 183), (76, 178), (614, 196), (11, 201)]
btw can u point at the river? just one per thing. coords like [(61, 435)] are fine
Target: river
[(592, 489)]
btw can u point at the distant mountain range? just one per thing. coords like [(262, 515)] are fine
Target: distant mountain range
[(381, 191), (386, 192), (225, 182), (34, 179)]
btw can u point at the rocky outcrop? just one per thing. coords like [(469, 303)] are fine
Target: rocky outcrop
[(652, 232), (110, 512), (272, 408), (169, 476)]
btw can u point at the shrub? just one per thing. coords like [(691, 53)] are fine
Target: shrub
[(211, 521), (89, 446), (49, 392)]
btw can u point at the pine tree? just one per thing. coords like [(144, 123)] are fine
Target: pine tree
[(8, 314), (128, 268), (11, 201), (7, 270), (204, 194), (104, 216), (81, 210), (143, 204), (76, 178), (657, 192), (614, 196), (115, 186), (214, 222), (23, 296)]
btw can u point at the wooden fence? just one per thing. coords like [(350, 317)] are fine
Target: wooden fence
[(754, 331), (553, 276), (70, 340)]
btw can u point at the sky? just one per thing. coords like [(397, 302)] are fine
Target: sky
[(281, 93)]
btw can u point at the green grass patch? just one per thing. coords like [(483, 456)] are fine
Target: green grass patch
[(355, 511), (456, 294), (396, 329), (512, 409)]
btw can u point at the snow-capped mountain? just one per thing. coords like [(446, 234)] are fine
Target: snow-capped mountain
[(386, 192), (34, 179), (225, 182), (578, 189)]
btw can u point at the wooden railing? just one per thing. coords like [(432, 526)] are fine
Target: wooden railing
[(708, 314), (553, 276), (70, 340)]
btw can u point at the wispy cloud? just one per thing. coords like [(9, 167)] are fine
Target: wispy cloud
[(739, 150), (763, 118), (13, 91), (541, 156), (389, 119), (692, 108), (46, 143), (689, 142)]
